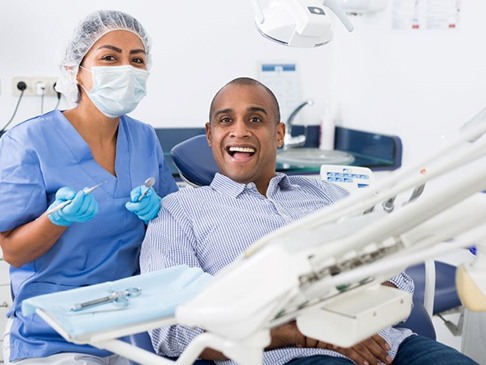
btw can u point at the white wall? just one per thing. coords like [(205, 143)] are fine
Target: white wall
[(198, 47), (415, 84)]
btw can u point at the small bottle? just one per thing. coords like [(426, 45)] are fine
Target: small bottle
[(327, 130)]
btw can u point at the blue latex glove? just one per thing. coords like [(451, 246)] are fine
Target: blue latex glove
[(82, 208), (146, 209)]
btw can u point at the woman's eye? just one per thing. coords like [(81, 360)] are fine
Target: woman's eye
[(139, 60), (108, 58)]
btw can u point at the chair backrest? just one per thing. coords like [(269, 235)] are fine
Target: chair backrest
[(194, 160)]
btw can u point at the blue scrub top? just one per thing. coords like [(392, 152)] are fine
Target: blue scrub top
[(43, 154)]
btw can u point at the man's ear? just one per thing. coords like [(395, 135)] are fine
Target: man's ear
[(208, 133), (280, 134)]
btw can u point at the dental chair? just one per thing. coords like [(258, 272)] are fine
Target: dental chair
[(194, 160)]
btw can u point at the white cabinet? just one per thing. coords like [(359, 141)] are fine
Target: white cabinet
[(5, 298)]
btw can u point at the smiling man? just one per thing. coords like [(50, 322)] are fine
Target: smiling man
[(244, 132), (209, 227)]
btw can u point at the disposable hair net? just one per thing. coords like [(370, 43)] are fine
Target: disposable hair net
[(88, 31)]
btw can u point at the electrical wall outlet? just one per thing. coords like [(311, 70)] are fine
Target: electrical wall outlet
[(35, 85)]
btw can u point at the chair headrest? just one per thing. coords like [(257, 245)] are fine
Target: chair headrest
[(194, 160)]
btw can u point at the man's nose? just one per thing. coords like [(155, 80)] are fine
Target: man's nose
[(240, 129)]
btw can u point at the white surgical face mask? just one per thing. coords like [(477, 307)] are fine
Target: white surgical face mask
[(117, 90)]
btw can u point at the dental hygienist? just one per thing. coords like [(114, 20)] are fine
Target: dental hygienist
[(50, 159)]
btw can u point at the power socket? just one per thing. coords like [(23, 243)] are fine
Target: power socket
[(34, 86)]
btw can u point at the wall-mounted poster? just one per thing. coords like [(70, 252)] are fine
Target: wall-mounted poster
[(426, 14)]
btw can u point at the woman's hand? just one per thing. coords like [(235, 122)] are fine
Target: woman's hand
[(147, 208), (82, 208)]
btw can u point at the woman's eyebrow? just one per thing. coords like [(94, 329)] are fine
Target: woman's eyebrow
[(119, 50), (113, 48), (133, 51)]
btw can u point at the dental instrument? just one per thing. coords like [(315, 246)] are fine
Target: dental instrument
[(148, 183), (119, 298), (67, 202)]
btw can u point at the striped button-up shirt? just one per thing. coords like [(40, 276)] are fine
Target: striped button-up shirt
[(209, 227)]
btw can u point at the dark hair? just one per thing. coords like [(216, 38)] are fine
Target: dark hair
[(247, 81)]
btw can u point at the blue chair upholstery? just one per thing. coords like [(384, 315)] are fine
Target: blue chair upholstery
[(194, 160), (445, 297), (419, 320)]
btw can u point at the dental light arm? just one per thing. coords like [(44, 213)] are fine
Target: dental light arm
[(340, 13), (298, 23)]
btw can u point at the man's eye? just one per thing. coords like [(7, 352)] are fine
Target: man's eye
[(255, 120), (225, 120)]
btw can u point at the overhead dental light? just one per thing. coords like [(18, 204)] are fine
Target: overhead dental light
[(299, 23)]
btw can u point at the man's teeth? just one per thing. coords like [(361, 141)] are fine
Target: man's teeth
[(242, 149)]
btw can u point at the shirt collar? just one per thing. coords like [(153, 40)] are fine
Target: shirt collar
[(232, 188)]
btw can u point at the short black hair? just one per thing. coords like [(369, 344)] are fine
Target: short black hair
[(248, 81)]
